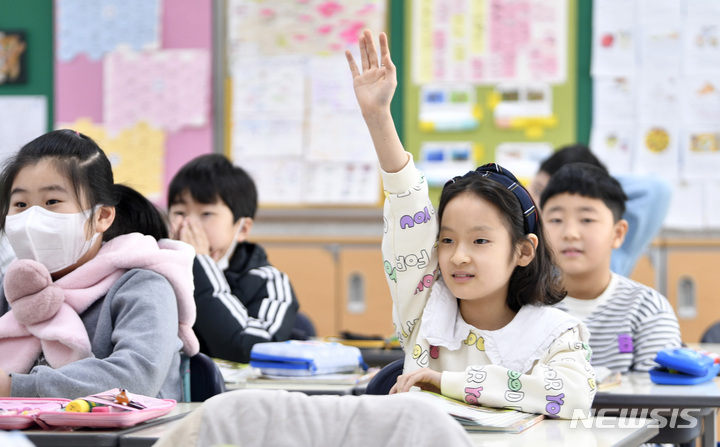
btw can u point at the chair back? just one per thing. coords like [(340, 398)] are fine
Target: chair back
[(712, 334), (206, 380), (384, 380)]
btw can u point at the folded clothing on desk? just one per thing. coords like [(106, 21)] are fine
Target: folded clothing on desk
[(304, 358)]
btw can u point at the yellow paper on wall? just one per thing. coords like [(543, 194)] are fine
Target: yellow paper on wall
[(137, 154)]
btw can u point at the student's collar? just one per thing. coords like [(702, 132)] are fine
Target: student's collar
[(515, 346)]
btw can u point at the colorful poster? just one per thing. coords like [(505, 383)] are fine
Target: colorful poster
[(291, 27), (489, 41), (137, 154), (296, 124), (169, 89), (614, 51), (97, 27)]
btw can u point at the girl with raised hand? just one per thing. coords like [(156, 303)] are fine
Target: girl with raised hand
[(471, 283)]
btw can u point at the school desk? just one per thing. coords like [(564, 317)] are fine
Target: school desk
[(92, 437), (602, 432), (310, 388), (637, 391)]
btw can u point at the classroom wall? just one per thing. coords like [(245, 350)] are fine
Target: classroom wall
[(74, 90)]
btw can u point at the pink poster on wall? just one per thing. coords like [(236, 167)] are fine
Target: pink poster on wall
[(169, 34)]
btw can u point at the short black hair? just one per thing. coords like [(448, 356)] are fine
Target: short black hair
[(575, 153), (211, 177), (588, 181)]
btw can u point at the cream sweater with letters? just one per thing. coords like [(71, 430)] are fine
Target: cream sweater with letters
[(538, 363)]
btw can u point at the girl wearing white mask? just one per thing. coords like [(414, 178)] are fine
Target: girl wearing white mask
[(98, 297)]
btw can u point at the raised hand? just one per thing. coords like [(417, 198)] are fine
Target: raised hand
[(374, 89), (375, 86)]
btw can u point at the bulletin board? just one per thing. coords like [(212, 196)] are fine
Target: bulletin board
[(476, 133), (26, 104), (136, 76), (656, 99), (292, 118), (401, 22)]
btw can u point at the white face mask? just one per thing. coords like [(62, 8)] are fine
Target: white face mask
[(224, 262), (56, 240)]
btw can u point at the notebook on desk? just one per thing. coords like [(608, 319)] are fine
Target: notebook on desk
[(478, 418)]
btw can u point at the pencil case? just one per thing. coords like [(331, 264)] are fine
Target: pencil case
[(112, 408), (305, 358), (683, 366)]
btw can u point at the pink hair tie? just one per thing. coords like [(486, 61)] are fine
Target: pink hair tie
[(78, 133)]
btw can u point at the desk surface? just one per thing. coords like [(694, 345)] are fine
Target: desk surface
[(100, 437), (309, 388), (602, 432), (638, 391)]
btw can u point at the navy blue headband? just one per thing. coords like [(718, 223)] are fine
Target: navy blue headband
[(497, 173)]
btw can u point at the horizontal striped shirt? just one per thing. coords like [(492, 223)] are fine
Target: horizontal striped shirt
[(630, 324)]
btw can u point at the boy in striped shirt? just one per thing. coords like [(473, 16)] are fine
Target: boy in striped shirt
[(629, 322)]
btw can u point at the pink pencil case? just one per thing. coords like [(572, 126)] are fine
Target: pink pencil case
[(50, 412)]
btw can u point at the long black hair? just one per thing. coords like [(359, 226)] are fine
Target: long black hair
[(85, 165), (539, 281)]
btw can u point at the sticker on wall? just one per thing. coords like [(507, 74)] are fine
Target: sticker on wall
[(442, 160), (446, 108), (12, 57), (523, 106)]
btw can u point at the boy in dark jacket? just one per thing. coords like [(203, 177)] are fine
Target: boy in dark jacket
[(241, 299)]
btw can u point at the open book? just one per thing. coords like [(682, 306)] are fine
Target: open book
[(477, 418)]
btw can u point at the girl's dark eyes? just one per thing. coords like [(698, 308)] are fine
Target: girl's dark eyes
[(20, 205), (480, 241), (446, 240), (52, 202)]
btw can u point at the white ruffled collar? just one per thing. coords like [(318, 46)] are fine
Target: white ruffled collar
[(516, 346)]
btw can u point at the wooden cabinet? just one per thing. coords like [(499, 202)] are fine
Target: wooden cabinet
[(686, 271), (692, 282), (364, 296), (340, 283)]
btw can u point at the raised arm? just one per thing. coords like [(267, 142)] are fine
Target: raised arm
[(374, 89)]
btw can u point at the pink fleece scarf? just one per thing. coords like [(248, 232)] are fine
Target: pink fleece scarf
[(45, 315)]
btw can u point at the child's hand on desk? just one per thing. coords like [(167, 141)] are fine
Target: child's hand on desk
[(374, 88), (5, 382), (425, 378)]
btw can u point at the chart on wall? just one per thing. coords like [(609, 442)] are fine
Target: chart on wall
[(489, 41), (656, 98), (295, 123), (488, 80)]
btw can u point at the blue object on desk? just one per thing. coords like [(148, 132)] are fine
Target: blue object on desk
[(305, 358), (683, 366)]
